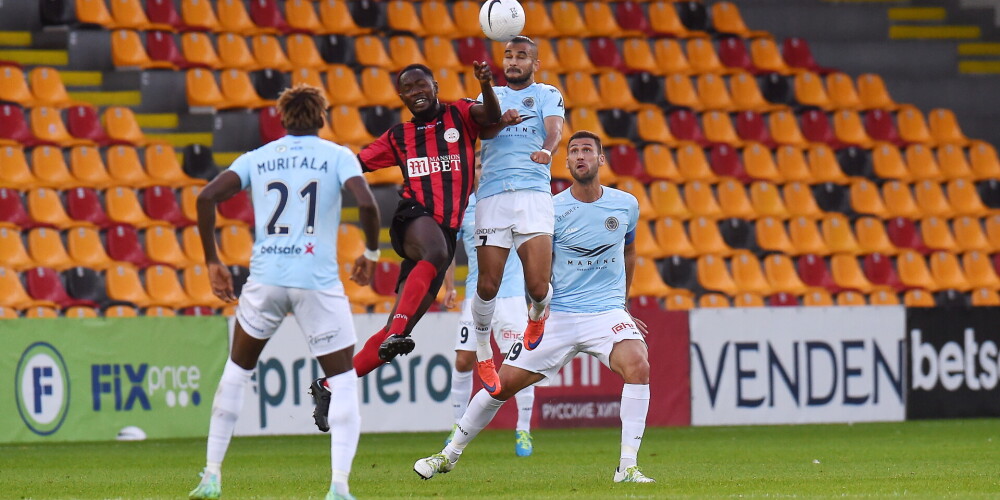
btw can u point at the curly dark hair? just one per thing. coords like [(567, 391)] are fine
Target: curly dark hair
[(302, 107)]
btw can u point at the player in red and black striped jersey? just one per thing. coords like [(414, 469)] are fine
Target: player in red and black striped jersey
[(436, 152)]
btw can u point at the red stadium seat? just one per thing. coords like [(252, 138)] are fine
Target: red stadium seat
[(160, 203), (880, 270), (815, 273), (84, 204), (83, 123), (684, 126), (386, 276), (238, 208), (266, 14), (45, 284), (797, 54)]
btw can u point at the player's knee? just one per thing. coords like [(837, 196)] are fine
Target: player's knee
[(464, 363), (438, 257), (637, 372), (538, 290), (487, 288)]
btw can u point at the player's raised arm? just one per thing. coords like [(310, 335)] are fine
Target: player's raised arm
[(486, 114), (223, 187), (364, 266), (553, 134)]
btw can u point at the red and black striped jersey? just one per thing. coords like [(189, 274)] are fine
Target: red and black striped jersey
[(437, 158)]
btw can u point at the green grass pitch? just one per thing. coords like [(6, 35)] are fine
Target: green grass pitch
[(926, 459)]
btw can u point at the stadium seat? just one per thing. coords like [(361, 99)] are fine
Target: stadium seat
[(235, 244), (843, 94), (13, 253), (713, 275), (198, 287), (880, 271), (302, 18), (82, 122), (747, 274), (122, 206), (865, 199), (302, 52), (162, 246), (664, 20), (670, 58), (944, 128), (165, 288), (45, 284), (47, 125), (947, 272), (953, 164), (815, 274), (881, 126), (199, 15), (121, 125), (767, 58), (806, 237), (124, 284), (604, 54), (123, 246), (625, 162), (733, 199), (567, 20), (84, 204), (667, 201), (86, 165), (848, 129), (838, 235), (797, 53), (191, 243), (726, 19), (937, 235), (160, 203), (652, 127), (850, 298), (799, 201), (985, 297), (125, 168), (46, 207), (127, 51), (672, 239), (899, 201), (678, 302), (913, 271), (237, 209), (50, 169), (94, 12), (979, 270), (238, 91), (234, 52), (14, 129), (983, 159), (376, 85), (887, 163), (912, 127), (266, 15), (725, 162), (369, 51), (234, 18), (600, 20), (335, 15), (703, 58), (785, 129), (573, 55), (969, 235), (792, 164), (904, 235), (441, 54), (349, 127), (713, 94), (615, 93), (847, 274), (14, 87), (713, 300), (817, 130), (750, 126), (684, 126), (759, 163), (748, 300), (810, 92), (964, 199), (872, 236), (403, 50), (700, 200), (46, 248), (581, 90), (873, 94), (832, 197), (772, 237), (706, 238), (268, 53), (638, 56), (718, 129), (681, 274), (164, 169), (440, 20), (931, 199), (733, 54), (14, 170), (767, 201), (162, 47), (883, 298), (13, 211), (537, 22)]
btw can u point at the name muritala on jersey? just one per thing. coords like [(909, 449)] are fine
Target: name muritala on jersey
[(305, 162), (424, 165)]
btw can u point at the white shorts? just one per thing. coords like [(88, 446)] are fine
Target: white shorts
[(567, 334), (510, 218), (509, 321), (323, 315)]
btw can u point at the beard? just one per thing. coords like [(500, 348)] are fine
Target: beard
[(517, 80)]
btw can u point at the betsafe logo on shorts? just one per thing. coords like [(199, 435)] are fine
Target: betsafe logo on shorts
[(43, 388)]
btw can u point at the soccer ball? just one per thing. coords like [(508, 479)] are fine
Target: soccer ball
[(501, 20)]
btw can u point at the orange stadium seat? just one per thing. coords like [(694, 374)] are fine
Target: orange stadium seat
[(125, 168), (162, 246), (703, 58), (806, 237), (847, 273), (809, 91), (581, 90), (647, 280), (983, 158), (799, 201), (163, 167), (785, 128), (199, 15), (46, 207), (992, 224), (700, 201), (14, 170), (747, 96), (234, 18), (664, 21), (311, 77), (94, 12), (87, 166), (85, 248), (918, 298), (335, 15), (678, 302), (50, 170), (969, 234), (537, 22), (850, 298), (191, 242), (782, 276), (887, 162), (369, 51), (47, 125), (843, 94), (199, 51), (913, 271), (964, 198), (817, 298), (644, 242), (670, 58), (567, 20), (693, 165), (937, 235), (465, 14), (122, 126), (600, 20), (573, 55), (14, 87), (348, 126), (719, 129), (748, 300), (672, 239), (706, 237), (883, 298), (402, 16), (947, 272), (726, 19), (238, 90), (733, 200), (234, 52), (450, 86), (953, 164), (921, 163), (872, 236), (838, 235), (441, 23), (767, 57), (403, 50), (127, 51), (203, 91), (302, 52), (268, 53), (945, 129), (164, 287), (985, 297), (912, 126), (713, 275), (441, 54), (47, 87), (979, 270), (46, 248), (13, 253), (848, 129), (651, 126), (865, 198), (667, 201), (198, 287), (301, 17), (343, 87), (377, 86), (899, 201), (766, 200), (931, 199), (123, 206), (792, 164), (713, 300), (638, 56), (713, 93), (13, 294), (873, 94), (614, 91), (235, 243), (130, 14), (124, 284), (747, 273)]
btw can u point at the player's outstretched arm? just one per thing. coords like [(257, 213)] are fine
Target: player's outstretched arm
[(486, 114), (364, 266), (223, 187), (553, 134)]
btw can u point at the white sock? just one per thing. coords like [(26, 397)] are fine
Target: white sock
[(635, 404), (482, 317), (538, 308), (461, 388), (525, 399), (225, 411), (481, 411), (345, 426)]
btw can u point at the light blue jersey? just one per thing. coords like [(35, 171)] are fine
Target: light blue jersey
[(506, 159), (588, 265), (295, 185), (512, 284)]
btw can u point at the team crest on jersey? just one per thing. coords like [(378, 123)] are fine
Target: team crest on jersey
[(529, 102), (281, 148), (451, 135), (611, 223)]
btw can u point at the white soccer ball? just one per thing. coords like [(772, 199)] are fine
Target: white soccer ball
[(501, 20)]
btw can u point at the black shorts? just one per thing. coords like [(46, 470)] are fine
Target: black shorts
[(406, 212)]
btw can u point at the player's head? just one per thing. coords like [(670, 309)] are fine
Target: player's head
[(520, 60), (302, 109), (584, 156), (417, 88)]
